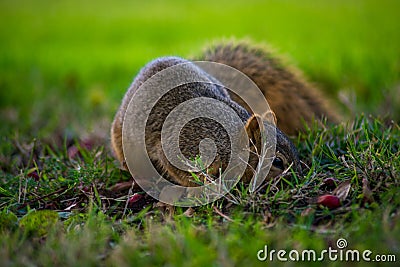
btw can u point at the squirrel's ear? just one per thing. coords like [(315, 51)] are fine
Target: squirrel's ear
[(253, 128)]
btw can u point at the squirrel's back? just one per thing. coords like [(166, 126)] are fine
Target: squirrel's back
[(292, 99)]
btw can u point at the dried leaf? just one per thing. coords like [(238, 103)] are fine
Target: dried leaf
[(367, 193), (189, 212), (118, 187), (226, 217), (307, 212), (342, 191)]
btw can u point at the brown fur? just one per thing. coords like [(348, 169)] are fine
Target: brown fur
[(293, 100)]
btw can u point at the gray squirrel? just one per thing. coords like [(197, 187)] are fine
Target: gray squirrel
[(293, 101), (198, 129)]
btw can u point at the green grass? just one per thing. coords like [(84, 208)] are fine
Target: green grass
[(93, 227), (64, 67)]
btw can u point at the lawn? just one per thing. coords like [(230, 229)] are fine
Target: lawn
[(64, 68)]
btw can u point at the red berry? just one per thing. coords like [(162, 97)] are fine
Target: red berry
[(136, 197), (329, 201), (34, 175)]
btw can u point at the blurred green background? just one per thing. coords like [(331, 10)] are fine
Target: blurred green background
[(66, 64)]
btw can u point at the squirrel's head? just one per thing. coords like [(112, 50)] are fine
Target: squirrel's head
[(286, 155)]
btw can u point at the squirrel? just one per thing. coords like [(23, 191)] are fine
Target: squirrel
[(294, 102), (198, 129)]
